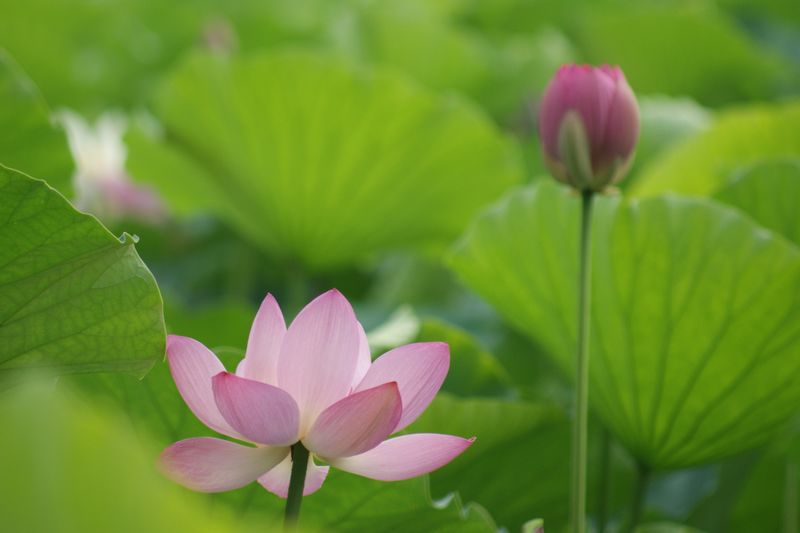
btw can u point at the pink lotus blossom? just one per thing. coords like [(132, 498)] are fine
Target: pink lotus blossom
[(588, 125), (313, 383)]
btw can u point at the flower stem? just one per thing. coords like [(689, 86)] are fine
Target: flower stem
[(580, 424), (296, 482)]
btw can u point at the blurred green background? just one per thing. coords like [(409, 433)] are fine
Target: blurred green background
[(388, 148)]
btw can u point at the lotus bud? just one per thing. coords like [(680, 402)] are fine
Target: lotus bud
[(588, 126)]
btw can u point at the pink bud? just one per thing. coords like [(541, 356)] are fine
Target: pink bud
[(588, 125)]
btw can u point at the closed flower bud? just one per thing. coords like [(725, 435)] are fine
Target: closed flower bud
[(588, 125)]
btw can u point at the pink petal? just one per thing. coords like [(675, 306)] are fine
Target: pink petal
[(364, 357), (260, 412), (419, 370), (405, 457), (264, 344), (277, 480), (622, 126), (319, 355), (586, 90), (192, 366), (357, 423), (206, 464)]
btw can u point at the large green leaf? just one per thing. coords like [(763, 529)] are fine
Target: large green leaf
[(768, 192), (318, 162), (68, 468), (28, 139), (701, 164), (695, 314), (73, 298)]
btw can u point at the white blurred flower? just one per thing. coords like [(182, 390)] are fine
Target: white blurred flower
[(402, 327), (102, 186)]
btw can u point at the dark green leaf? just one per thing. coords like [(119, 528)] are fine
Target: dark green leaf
[(73, 298)]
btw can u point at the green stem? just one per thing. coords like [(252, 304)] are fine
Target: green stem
[(580, 424), (639, 496), (296, 482), (604, 484)]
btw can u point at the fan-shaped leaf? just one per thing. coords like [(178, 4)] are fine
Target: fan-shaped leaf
[(317, 161), (695, 314)]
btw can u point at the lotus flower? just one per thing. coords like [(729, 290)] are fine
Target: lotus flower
[(312, 383), (102, 186), (588, 126)]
